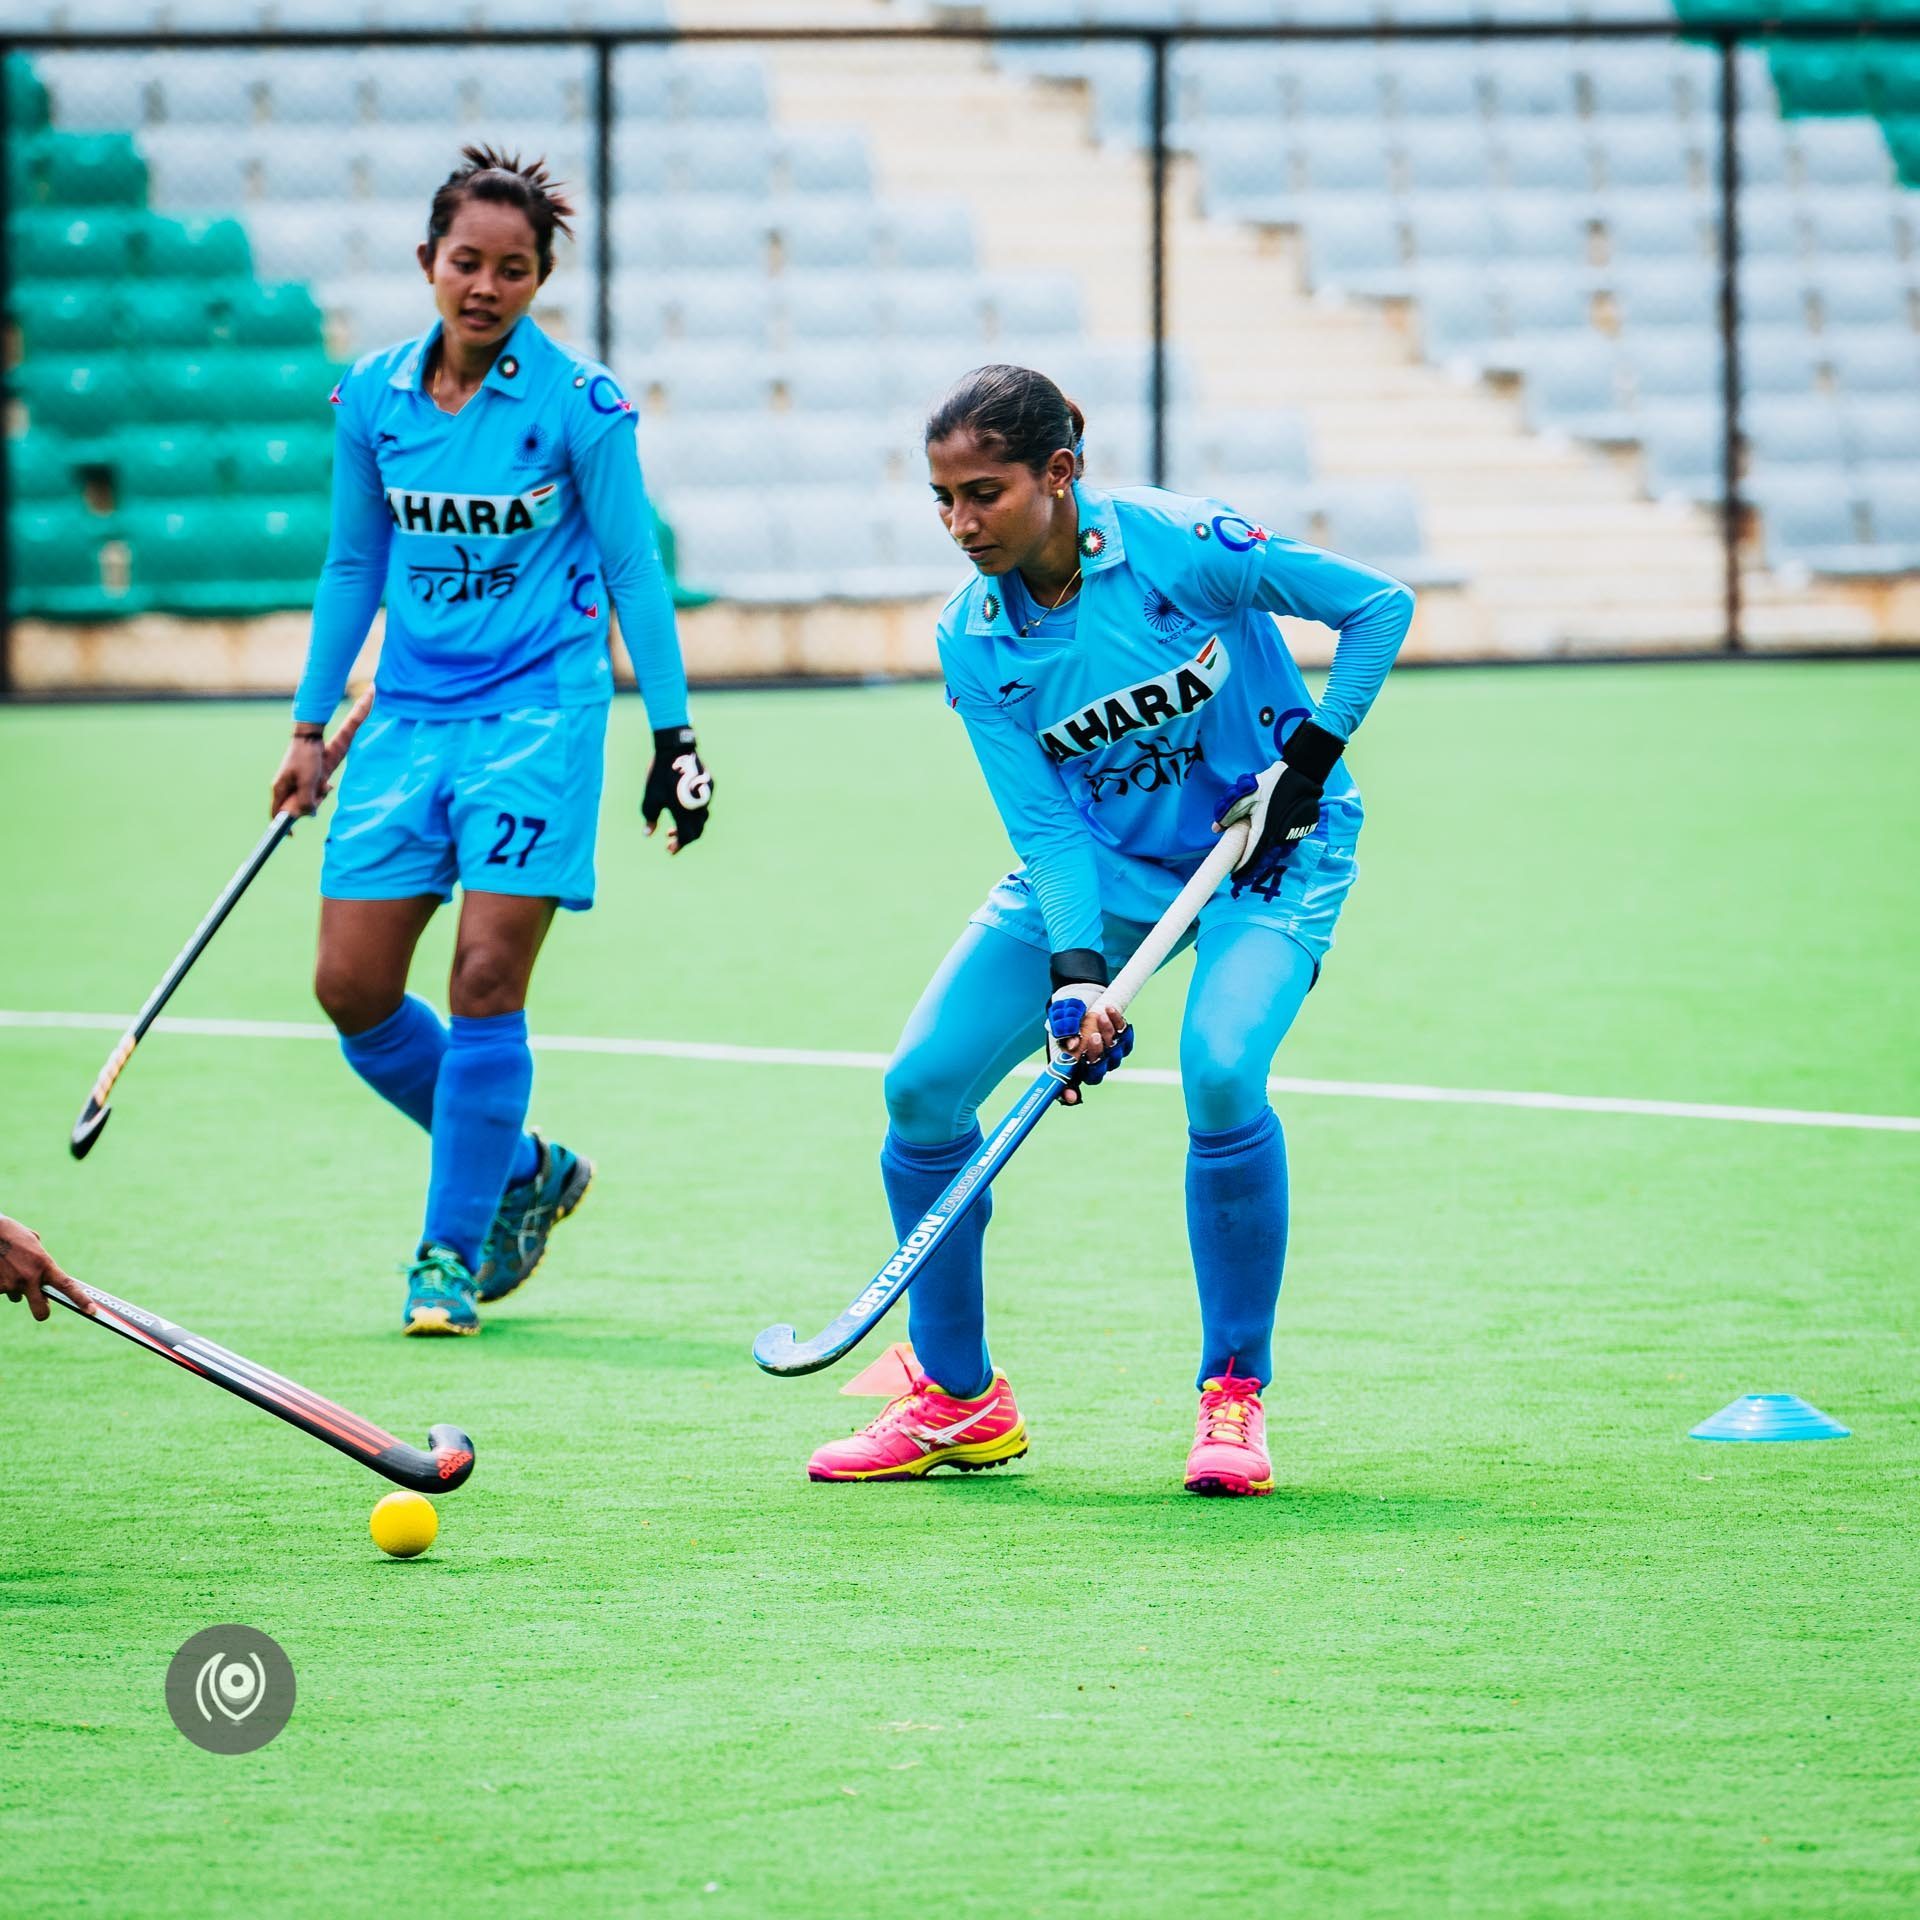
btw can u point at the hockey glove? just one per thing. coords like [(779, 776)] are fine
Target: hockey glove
[(677, 784)]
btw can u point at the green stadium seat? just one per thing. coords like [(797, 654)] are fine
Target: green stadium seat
[(57, 565), (42, 468), (83, 399), (1814, 11), (87, 170), (77, 318), (286, 387), (285, 540), (26, 98), (1893, 77), (170, 313), (1816, 76), (1903, 136), (209, 249), (67, 246), (222, 558), (1906, 12), (283, 316), (183, 388), (149, 466), (283, 465)]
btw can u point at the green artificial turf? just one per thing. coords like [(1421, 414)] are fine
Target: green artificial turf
[(1503, 1642)]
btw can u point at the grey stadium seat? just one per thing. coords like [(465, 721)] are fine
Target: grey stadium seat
[(95, 91), (1881, 360), (1858, 222), (1355, 248), (1795, 430), (1773, 293), (932, 306), (706, 159), (1886, 428), (1034, 305), (1842, 152), (1663, 293), (816, 237), (1684, 447), (826, 160), (1682, 366), (1531, 77), (1247, 177), (1547, 157), (718, 87), (1335, 156), (198, 89), (1630, 77), (1325, 82), (1776, 360), (1436, 80), (1574, 385), (1861, 294), (1639, 154), (927, 233), (1893, 508), (642, 87), (713, 307), (1655, 226), (1810, 518), (1451, 156), (829, 307)]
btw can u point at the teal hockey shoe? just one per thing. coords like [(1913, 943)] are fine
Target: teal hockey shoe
[(527, 1216), (440, 1294)]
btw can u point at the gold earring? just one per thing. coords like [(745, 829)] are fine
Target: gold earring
[(1059, 493)]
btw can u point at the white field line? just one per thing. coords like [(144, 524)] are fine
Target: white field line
[(726, 1054)]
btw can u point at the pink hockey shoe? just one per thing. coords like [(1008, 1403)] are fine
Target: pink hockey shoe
[(926, 1427), (1230, 1439)]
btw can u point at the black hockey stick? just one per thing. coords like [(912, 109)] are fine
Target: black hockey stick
[(443, 1465), (96, 1113)]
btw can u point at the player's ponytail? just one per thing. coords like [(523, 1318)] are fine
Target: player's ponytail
[(504, 178), (1016, 414)]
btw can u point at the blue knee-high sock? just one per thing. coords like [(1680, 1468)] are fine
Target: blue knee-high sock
[(400, 1060), (1237, 1227), (946, 1306), (479, 1111)]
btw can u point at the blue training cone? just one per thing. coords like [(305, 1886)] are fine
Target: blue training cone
[(1769, 1416)]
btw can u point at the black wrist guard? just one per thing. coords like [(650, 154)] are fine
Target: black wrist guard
[(1079, 965), (1312, 750)]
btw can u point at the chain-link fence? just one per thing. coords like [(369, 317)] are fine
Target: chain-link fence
[(1605, 337)]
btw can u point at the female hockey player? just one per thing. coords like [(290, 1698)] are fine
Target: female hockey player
[(1123, 686), (486, 485)]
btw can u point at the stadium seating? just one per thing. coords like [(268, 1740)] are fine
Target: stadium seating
[(1549, 209)]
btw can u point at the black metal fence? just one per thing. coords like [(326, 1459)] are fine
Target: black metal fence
[(1169, 121)]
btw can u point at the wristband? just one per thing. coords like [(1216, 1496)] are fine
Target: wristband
[(310, 732), (1312, 750), (1080, 966)]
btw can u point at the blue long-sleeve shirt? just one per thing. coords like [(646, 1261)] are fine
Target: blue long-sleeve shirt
[(499, 537), (1110, 735)]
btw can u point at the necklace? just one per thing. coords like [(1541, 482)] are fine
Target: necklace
[(1046, 613)]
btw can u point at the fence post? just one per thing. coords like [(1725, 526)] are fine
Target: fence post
[(1730, 329), (6, 302), (1157, 379), (603, 199)]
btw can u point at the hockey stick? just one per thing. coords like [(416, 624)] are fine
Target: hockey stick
[(780, 1350), (439, 1469), (96, 1113)]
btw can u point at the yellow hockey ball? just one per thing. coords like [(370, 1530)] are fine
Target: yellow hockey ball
[(404, 1524)]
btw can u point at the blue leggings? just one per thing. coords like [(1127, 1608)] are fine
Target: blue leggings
[(981, 1015)]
